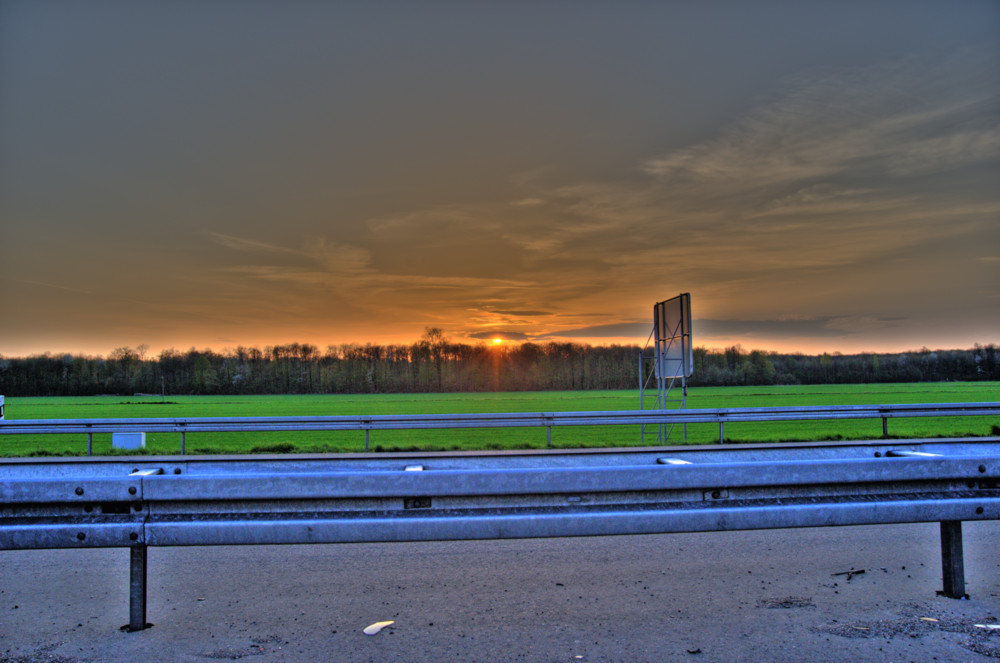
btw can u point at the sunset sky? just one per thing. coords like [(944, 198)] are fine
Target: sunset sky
[(820, 176)]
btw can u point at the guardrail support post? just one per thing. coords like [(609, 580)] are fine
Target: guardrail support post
[(885, 427), (183, 440), (90, 444), (722, 436), (137, 589), (952, 564)]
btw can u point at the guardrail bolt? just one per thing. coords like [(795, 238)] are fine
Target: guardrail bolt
[(131, 490), (716, 494), (979, 510), (138, 506), (982, 468), (79, 491), (878, 454), (133, 536), (177, 470), (81, 536)]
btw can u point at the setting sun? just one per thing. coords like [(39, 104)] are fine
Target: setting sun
[(497, 341)]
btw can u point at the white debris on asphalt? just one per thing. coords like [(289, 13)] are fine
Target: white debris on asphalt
[(376, 627)]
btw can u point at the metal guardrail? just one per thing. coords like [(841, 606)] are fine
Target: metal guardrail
[(377, 422), (235, 500)]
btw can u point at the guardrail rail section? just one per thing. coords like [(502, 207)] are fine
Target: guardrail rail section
[(239, 500)]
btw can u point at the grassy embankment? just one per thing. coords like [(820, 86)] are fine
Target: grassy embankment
[(105, 407)]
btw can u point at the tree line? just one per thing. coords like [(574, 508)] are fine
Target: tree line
[(435, 364)]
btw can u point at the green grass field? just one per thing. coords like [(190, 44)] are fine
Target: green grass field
[(105, 407)]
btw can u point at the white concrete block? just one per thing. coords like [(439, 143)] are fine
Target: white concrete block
[(128, 440)]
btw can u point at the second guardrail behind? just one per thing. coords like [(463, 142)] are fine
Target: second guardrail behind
[(548, 420)]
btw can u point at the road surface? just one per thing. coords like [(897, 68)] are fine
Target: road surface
[(778, 595)]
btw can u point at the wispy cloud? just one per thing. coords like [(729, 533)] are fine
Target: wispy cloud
[(246, 245), (901, 118), (815, 190), (637, 330), (810, 194), (56, 286), (343, 276), (519, 313), (769, 329)]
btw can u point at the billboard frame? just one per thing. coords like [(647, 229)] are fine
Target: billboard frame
[(672, 331), (673, 355)]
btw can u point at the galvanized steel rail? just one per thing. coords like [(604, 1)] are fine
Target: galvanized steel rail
[(235, 500)]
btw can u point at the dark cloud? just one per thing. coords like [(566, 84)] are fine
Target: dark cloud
[(640, 330), (732, 330), (769, 329)]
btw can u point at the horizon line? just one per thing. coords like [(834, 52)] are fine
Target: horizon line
[(489, 344)]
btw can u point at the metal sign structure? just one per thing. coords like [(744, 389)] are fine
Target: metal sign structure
[(673, 355), (672, 328)]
